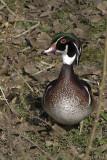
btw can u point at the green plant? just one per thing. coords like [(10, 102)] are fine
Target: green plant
[(92, 55), (45, 28)]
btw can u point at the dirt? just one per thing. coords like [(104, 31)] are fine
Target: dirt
[(27, 28)]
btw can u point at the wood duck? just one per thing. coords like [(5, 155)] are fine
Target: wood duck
[(67, 99)]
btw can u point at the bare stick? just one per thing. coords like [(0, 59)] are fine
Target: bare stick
[(8, 8), (73, 149), (87, 80), (100, 99), (4, 96), (35, 144), (23, 79), (50, 66), (28, 31), (8, 128), (24, 50)]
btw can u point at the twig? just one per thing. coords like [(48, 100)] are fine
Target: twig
[(7, 121), (89, 148), (35, 144), (24, 50), (87, 80), (8, 8), (74, 152), (28, 31), (4, 96), (50, 66), (23, 79)]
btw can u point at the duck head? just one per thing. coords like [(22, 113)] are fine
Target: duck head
[(68, 46)]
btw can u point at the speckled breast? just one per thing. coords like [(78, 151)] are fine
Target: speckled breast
[(67, 103)]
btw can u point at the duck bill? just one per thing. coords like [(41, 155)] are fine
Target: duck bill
[(50, 49)]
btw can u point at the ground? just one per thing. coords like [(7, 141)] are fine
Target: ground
[(26, 29)]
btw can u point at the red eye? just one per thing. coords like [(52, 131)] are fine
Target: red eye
[(63, 41)]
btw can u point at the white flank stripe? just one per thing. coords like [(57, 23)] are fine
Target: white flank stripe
[(88, 94)]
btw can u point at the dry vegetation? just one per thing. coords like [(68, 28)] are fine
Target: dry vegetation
[(26, 29)]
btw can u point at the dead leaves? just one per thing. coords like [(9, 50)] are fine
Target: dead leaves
[(26, 30), (102, 6), (43, 41)]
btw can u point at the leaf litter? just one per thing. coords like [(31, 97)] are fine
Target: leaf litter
[(26, 30)]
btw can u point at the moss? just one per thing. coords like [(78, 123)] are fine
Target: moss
[(45, 28), (98, 27), (24, 24), (38, 58), (92, 55)]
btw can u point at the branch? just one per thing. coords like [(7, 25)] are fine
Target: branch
[(35, 144), (23, 79), (8, 8), (89, 148), (4, 96), (28, 31)]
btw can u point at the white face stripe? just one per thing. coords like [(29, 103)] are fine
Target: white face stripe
[(60, 38), (90, 99), (76, 48), (78, 52)]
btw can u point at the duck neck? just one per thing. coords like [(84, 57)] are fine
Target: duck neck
[(67, 72)]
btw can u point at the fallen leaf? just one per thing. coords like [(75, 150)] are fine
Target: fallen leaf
[(48, 143), (97, 20), (102, 6), (103, 115), (43, 40), (57, 26), (58, 129), (18, 40), (45, 14), (2, 6), (102, 148)]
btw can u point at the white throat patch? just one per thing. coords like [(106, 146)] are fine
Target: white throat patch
[(66, 59)]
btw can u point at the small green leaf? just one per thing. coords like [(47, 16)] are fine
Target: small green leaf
[(45, 28), (104, 116)]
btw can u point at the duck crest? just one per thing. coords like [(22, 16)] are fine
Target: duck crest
[(59, 35)]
